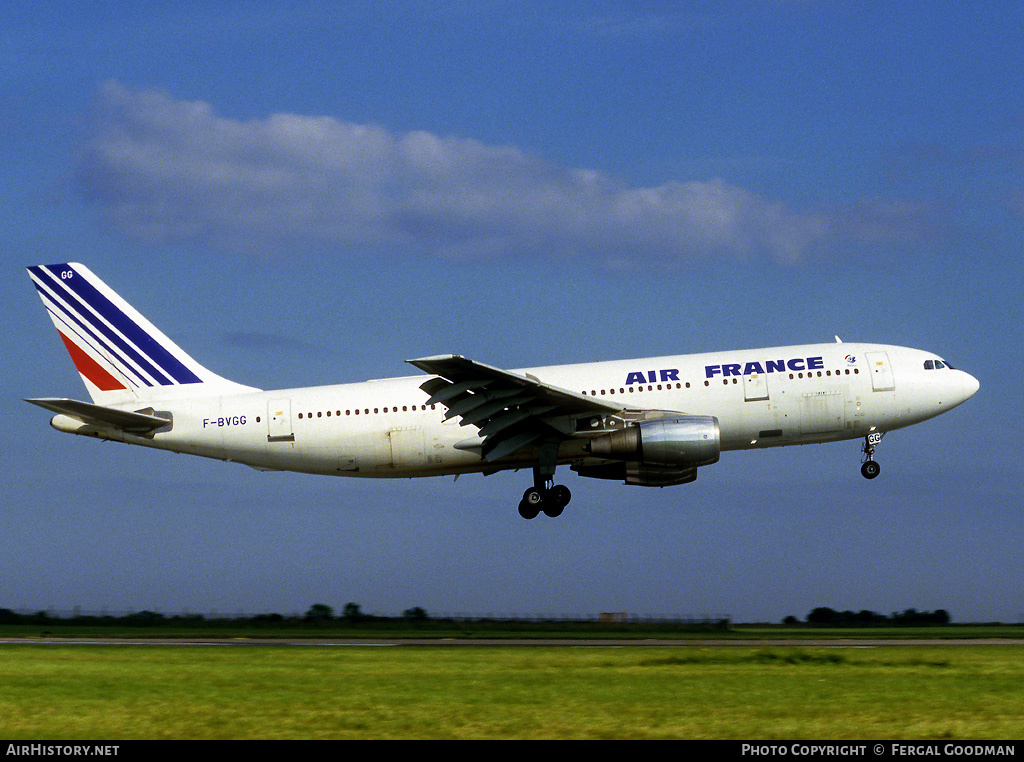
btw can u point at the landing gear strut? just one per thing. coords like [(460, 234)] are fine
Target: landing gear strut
[(544, 496), (869, 468)]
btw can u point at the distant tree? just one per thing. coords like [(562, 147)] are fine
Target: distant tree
[(865, 617), (319, 612), (911, 617), (416, 614), (145, 617), (8, 617), (790, 620), (908, 616), (352, 613), (822, 615)]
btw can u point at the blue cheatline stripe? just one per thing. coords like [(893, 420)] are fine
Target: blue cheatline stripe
[(155, 353), (70, 320)]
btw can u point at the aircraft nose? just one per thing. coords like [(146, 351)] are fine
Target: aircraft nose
[(964, 388), (970, 386)]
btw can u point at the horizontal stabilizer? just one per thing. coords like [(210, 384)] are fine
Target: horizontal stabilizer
[(88, 413)]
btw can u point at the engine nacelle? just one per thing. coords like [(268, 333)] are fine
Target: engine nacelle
[(686, 440), (641, 474)]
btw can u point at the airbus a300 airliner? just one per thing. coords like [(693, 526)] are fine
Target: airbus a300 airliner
[(650, 422)]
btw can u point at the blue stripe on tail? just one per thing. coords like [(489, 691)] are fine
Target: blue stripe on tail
[(156, 360)]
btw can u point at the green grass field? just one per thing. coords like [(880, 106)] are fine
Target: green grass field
[(443, 692)]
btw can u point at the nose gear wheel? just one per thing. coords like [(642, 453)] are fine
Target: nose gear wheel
[(869, 468)]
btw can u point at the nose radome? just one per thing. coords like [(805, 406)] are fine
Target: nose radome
[(971, 386), (967, 385)]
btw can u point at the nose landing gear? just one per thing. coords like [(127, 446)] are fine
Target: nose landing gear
[(869, 468)]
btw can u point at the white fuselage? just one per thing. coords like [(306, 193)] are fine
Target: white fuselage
[(762, 398)]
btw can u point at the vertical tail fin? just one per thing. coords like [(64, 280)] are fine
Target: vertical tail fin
[(121, 356)]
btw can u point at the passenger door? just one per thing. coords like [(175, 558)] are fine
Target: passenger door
[(881, 372), (279, 421)]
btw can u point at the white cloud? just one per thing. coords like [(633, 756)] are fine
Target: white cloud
[(168, 170)]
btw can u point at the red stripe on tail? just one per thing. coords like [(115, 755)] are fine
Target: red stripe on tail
[(90, 369)]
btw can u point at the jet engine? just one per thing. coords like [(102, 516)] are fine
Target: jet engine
[(656, 453)]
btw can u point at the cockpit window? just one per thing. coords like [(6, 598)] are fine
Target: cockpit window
[(937, 364), (929, 365)]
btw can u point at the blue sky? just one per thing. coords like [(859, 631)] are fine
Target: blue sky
[(308, 193)]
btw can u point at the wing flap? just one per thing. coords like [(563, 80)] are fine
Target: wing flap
[(512, 411)]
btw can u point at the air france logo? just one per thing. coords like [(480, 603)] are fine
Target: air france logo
[(851, 360), (731, 369), (652, 376), (769, 366)]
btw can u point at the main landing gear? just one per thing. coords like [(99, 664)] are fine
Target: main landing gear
[(544, 496), (869, 468)]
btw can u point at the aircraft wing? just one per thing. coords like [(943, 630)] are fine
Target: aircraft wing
[(512, 411), (86, 412)]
